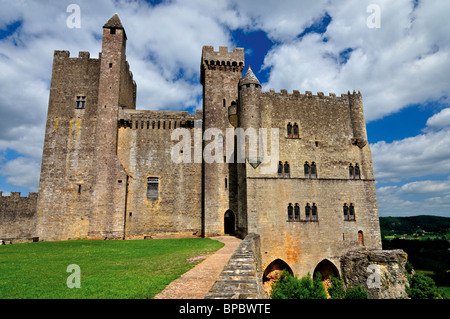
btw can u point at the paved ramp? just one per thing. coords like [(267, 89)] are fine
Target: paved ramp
[(196, 283)]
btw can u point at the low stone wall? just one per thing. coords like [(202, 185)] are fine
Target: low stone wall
[(241, 278), (380, 272)]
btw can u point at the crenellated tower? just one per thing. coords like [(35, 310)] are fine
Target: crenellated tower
[(220, 75)]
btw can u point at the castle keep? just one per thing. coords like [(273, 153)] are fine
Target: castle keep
[(108, 170)]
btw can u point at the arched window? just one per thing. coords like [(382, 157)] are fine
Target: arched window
[(280, 169), (306, 169), (357, 172), (296, 212), (351, 212), (313, 170), (314, 212), (295, 130), (289, 130), (290, 212), (307, 212), (345, 212), (287, 173), (350, 171)]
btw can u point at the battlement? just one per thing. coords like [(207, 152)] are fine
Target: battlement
[(82, 55), (222, 60), (330, 95), (16, 196)]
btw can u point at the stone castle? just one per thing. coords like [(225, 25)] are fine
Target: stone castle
[(108, 170)]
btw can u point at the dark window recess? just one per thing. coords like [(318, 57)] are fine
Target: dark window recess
[(357, 172), (314, 212), (280, 169), (79, 189), (287, 172), (112, 31), (313, 170), (295, 130), (296, 212), (153, 187), (306, 169), (81, 102), (290, 212), (351, 171), (289, 130)]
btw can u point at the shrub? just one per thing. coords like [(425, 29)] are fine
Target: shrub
[(356, 293), (289, 287), (336, 291)]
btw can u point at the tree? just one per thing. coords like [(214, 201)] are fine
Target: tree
[(422, 287), (356, 293)]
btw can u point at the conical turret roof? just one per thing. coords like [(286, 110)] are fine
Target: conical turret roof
[(250, 78), (114, 22)]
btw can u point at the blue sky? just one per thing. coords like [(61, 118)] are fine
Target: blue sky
[(401, 68)]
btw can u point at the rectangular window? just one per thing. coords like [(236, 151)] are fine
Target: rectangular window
[(81, 102), (153, 187)]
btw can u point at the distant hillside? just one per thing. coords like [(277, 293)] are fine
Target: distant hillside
[(409, 225)]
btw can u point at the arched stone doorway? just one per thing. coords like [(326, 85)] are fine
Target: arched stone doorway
[(272, 273), (326, 269), (229, 223)]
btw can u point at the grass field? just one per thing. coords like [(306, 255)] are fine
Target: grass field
[(109, 269)]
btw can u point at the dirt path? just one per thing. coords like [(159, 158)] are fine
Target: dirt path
[(196, 283)]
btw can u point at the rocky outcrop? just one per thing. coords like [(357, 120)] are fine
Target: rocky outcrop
[(380, 272)]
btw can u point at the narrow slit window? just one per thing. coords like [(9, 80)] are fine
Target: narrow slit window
[(357, 172), (290, 212), (153, 187), (295, 130), (79, 189), (280, 169), (351, 212), (351, 171), (345, 212), (306, 169), (289, 130), (314, 212), (307, 212), (313, 170), (296, 212), (287, 173)]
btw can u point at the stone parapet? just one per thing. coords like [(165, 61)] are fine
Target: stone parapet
[(241, 278)]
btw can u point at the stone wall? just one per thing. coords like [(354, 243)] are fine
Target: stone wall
[(241, 277), (145, 150), (17, 217), (380, 272)]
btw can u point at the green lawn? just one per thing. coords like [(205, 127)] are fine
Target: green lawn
[(109, 269)]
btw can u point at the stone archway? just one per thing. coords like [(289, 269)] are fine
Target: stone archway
[(272, 273), (326, 269), (229, 222)]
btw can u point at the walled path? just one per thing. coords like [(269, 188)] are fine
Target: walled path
[(196, 283)]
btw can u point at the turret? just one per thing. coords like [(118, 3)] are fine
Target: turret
[(358, 120), (249, 113)]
